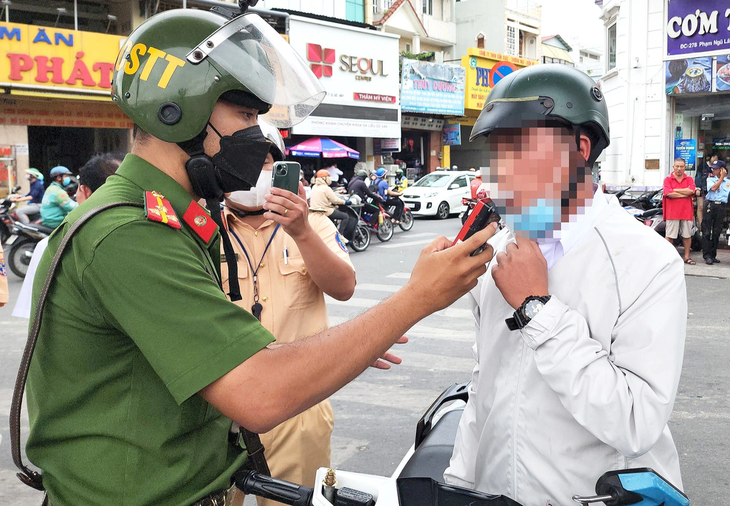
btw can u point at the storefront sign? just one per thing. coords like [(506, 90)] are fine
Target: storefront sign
[(687, 150), (452, 134), (55, 58), (369, 97), (483, 70), (697, 27), (421, 123), (62, 113), (385, 146), (359, 70), (432, 88)]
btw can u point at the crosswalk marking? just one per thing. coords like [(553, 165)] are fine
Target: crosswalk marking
[(421, 234), (399, 275), (378, 288), (431, 362), (449, 312), (422, 331), (403, 244), (391, 396)]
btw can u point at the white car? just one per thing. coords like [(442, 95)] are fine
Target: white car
[(439, 193)]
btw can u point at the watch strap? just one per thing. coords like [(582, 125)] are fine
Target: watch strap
[(519, 319)]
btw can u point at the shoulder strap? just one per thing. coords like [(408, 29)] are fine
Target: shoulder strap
[(27, 475)]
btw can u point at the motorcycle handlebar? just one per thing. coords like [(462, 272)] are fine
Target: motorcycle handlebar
[(277, 490)]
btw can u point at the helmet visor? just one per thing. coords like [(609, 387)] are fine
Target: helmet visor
[(261, 60)]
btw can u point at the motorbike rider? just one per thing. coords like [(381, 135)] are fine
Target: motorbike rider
[(324, 199), (401, 182), (581, 321), (142, 362), (359, 187), (56, 203), (91, 176), (34, 197), (391, 196)]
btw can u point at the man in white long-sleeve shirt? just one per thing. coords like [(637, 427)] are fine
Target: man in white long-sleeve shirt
[(581, 317)]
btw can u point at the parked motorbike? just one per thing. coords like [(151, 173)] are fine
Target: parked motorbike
[(7, 216), (418, 480), (22, 243), (654, 218)]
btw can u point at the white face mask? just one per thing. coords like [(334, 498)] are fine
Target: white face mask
[(254, 198)]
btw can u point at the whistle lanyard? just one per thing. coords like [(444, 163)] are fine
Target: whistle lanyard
[(257, 307)]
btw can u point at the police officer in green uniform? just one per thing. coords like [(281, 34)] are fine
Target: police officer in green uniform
[(142, 363)]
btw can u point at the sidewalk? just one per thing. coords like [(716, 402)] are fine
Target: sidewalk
[(721, 270)]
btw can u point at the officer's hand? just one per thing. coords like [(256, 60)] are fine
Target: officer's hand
[(521, 271), (443, 273), (382, 362), (290, 210)]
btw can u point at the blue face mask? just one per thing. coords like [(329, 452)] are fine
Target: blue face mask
[(66, 181), (535, 222)]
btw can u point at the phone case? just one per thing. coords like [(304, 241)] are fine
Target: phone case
[(286, 176)]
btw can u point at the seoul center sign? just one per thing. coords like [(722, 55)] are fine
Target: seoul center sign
[(359, 70)]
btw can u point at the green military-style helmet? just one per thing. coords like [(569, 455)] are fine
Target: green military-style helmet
[(543, 93), (177, 64)]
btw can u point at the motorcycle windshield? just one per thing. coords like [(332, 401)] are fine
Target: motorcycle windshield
[(261, 60)]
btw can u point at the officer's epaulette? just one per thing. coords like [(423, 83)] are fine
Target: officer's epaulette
[(157, 208)]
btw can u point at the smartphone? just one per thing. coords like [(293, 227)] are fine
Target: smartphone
[(286, 176), (481, 216)]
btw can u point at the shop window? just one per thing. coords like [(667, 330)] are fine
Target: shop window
[(611, 47), (428, 7), (355, 10)]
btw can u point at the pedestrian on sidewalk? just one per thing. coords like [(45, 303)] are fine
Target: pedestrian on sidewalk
[(677, 206), (718, 188), (703, 172)]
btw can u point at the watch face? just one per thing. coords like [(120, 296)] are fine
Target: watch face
[(532, 308)]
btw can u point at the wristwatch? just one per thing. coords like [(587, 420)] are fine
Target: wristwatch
[(526, 312)]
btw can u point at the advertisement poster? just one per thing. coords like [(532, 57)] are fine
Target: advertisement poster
[(691, 75), (722, 73), (687, 150), (452, 134), (432, 88), (697, 27)]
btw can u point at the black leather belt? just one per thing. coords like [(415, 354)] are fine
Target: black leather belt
[(215, 499), (716, 202)]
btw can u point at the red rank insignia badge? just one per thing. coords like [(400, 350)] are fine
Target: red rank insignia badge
[(200, 221), (157, 208)]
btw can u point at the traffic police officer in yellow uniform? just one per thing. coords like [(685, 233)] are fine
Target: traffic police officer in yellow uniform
[(141, 362)]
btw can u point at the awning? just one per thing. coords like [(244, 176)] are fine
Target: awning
[(324, 146)]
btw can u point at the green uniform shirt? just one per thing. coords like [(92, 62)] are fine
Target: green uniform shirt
[(135, 325)]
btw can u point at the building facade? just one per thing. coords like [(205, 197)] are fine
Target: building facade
[(667, 84)]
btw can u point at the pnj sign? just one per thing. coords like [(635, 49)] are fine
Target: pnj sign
[(697, 27), (43, 56)]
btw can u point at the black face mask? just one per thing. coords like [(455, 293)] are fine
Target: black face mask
[(240, 159)]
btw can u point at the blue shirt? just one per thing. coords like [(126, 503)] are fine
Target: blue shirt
[(36, 192), (721, 194), (382, 186)]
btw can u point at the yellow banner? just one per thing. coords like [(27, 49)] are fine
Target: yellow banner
[(56, 59), (483, 70)]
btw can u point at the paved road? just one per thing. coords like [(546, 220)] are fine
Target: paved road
[(377, 413)]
